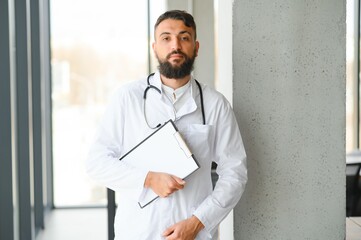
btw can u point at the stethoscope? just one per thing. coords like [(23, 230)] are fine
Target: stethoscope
[(150, 86)]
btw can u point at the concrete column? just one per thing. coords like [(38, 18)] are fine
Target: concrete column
[(289, 100)]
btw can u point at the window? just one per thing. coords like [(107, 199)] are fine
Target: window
[(352, 77), (96, 46)]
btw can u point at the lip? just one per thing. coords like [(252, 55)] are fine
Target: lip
[(176, 56)]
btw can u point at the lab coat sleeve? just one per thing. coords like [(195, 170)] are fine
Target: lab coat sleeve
[(232, 171), (103, 164)]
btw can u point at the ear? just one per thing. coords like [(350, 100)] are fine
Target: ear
[(197, 48), (154, 48)]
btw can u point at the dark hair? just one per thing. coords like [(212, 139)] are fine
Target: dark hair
[(185, 17)]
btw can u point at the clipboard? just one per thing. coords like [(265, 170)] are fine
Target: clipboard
[(163, 151)]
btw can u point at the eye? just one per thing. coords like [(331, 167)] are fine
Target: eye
[(166, 38), (184, 38)]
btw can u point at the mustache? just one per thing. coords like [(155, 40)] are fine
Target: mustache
[(177, 52)]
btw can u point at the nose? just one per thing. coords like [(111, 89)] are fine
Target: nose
[(176, 44)]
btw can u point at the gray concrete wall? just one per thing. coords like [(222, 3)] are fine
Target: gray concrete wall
[(289, 99)]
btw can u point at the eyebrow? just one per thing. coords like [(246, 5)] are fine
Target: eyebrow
[(181, 32)]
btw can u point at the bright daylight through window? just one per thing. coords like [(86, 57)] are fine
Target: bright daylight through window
[(351, 77), (96, 46)]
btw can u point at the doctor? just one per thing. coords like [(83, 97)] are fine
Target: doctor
[(189, 208)]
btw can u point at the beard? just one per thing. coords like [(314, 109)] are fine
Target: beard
[(176, 72)]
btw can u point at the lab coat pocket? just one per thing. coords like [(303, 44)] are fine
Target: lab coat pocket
[(200, 141)]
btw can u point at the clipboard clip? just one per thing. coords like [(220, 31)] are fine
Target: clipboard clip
[(182, 144)]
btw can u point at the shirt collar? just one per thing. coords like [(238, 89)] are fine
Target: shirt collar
[(176, 94), (190, 105), (157, 82)]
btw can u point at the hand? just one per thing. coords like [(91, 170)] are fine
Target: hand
[(184, 230), (163, 184)]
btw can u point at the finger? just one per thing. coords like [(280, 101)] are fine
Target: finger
[(179, 180), (175, 186), (168, 231)]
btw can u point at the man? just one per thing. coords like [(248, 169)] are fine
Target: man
[(189, 208)]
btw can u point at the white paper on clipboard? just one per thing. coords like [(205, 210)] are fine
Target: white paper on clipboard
[(163, 151)]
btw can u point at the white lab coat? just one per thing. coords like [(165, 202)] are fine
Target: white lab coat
[(124, 126)]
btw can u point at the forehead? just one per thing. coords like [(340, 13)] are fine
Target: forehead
[(172, 26)]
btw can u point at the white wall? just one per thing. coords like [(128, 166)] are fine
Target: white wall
[(223, 50), (289, 99)]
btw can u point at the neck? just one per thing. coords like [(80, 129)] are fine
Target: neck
[(175, 82)]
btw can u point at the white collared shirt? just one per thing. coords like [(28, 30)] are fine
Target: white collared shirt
[(124, 126), (179, 96)]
